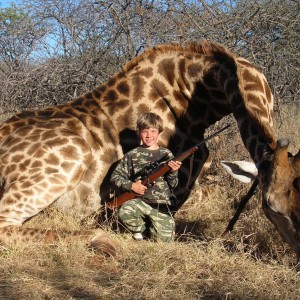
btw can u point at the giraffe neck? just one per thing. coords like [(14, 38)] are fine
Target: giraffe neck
[(252, 107)]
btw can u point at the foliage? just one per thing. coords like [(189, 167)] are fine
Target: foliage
[(52, 51)]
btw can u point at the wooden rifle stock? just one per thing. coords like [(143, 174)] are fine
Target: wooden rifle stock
[(162, 170)]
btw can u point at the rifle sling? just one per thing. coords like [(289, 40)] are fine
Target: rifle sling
[(190, 171)]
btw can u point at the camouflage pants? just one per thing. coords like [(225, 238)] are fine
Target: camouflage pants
[(135, 213)]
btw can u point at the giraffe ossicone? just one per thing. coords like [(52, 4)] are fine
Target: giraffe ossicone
[(64, 154)]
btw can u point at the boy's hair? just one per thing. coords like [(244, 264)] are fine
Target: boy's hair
[(149, 120)]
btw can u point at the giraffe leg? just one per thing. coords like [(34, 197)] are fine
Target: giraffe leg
[(42, 172), (12, 216)]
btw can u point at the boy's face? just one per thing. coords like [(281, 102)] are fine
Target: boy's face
[(149, 137)]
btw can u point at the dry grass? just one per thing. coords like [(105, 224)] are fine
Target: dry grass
[(252, 264)]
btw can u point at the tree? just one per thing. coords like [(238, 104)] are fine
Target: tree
[(52, 51)]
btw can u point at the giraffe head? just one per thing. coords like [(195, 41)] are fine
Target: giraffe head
[(279, 178)]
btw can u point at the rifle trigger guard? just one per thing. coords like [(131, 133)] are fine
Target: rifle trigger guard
[(148, 183)]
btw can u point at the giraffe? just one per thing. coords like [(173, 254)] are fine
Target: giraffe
[(63, 155)]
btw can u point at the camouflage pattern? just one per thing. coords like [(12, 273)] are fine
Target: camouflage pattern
[(139, 216), (133, 162)]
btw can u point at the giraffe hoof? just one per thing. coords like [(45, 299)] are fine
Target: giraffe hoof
[(102, 243)]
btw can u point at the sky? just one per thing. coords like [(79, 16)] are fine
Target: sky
[(6, 3)]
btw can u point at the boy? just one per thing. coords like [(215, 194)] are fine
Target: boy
[(150, 209)]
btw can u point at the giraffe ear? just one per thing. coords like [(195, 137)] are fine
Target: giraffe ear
[(297, 161), (243, 171)]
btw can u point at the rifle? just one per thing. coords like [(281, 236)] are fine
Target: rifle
[(157, 169)]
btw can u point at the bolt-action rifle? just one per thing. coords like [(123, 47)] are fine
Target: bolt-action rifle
[(157, 169)]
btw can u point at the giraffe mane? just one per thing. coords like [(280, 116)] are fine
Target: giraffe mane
[(203, 48)]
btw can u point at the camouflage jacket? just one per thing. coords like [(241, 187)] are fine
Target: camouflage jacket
[(133, 162)]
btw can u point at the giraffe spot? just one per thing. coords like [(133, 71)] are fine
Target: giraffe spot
[(26, 114), (25, 185), (38, 178), (88, 95), (254, 98), (20, 147), (180, 98), (90, 104), (43, 185), (267, 91), (39, 152), (69, 152), (77, 102), (77, 176), (138, 87), (194, 70), (108, 156), (146, 72), (82, 109), (11, 141), (158, 90), (54, 180), (101, 88), (10, 201), (96, 122), (48, 135), (57, 142), (252, 145), (201, 110), (244, 129), (166, 69), (45, 113), (116, 106), (111, 81), (18, 195), (50, 170), (210, 80), (32, 138), (121, 74), (218, 95), (97, 94), (182, 67), (230, 86), (223, 108), (161, 105), (5, 130), (17, 157), (201, 91), (10, 169), (123, 88), (142, 108), (109, 135), (152, 56), (67, 166), (23, 177), (82, 118), (24, 165), (111, 96), (69, 111), (212, 117)]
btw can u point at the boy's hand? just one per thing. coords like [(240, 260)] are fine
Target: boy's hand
[(138, 188), (174, 165)]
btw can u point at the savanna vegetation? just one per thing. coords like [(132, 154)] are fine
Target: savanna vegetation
[(52, 51)]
